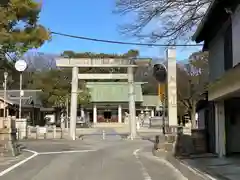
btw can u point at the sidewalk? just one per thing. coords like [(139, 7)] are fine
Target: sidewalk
[(205, 167), (220, 168), (187, 172)]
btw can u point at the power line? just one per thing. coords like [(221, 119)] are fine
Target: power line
[(121, 42)]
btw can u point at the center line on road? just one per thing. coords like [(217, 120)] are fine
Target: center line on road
[(65, 152), (143, 169)]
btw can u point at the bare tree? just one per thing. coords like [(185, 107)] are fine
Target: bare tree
[(39, 61), (167, 20), (192, 81)]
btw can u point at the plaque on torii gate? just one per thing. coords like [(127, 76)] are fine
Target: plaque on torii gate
[(94, 62), (76, 63)]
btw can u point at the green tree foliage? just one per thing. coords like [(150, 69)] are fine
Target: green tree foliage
[(192, 81), (132, 53), (56, 84), (19, 28), (19, 32), (56, 87)]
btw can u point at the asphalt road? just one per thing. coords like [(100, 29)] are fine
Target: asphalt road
[(93, 159)]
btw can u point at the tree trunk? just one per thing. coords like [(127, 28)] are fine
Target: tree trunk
[(193, 116)]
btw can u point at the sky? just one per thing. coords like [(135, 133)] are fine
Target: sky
[(92, 19)]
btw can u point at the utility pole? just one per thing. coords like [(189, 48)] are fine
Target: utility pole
[(5, 93)]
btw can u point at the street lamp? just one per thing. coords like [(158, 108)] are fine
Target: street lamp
[(5, 93)]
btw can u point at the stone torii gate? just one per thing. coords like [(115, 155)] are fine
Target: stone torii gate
[(77, 63)]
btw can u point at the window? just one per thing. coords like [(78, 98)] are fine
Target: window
[(228, 52)]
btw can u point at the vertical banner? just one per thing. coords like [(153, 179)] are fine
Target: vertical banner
[(161, 91), (172, 87)]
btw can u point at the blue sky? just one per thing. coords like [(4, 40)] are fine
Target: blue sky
[(92, 19)]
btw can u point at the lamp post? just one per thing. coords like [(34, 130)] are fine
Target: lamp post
[(5, 93), (20, 66)]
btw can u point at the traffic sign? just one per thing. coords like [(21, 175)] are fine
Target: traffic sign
[(20, 65)]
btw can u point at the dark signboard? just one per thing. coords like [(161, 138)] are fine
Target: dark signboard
[(160, 73)]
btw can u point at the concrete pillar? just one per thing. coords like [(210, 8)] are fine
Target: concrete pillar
[(172, 87), (152, 113), (62, 121), (73, 115), (119, 113), (94, 114), (220, 128), (132, 109), (82, 112)]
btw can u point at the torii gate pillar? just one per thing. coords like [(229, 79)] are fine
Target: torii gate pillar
[(73, 110)]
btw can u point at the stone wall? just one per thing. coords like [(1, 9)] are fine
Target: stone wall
[(8, 141), (181, 144)]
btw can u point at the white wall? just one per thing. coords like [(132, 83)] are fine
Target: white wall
[(2, 105), (220, 128), (236, 36), (216, 48)]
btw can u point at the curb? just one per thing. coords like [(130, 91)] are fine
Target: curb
[(190, 172), (207, 174), (187, 171)]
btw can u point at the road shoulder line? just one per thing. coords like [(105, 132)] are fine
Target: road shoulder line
[(143, 169)]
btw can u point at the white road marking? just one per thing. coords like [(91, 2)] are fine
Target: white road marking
[(19, 163), (31, 151), (196, 171), (166, 163), (143, 169), (2, 173), (65, 152)]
